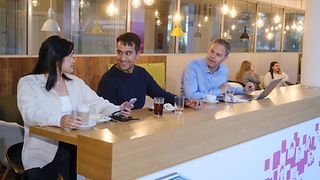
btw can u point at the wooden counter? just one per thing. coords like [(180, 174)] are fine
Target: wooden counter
[(133, 149)]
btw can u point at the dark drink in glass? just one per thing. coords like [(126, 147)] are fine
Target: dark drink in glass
[(158, 106), (158, 109)]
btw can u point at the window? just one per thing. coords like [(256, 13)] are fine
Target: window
[(13, 27), (269, 28), (153, 24), (293, 32), (40, 15), (200, 25), (234, 27), (94, 31)]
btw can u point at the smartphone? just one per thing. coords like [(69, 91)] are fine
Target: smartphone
[(131, 102)]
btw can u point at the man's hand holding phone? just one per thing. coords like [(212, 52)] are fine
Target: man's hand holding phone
[(125, 108)]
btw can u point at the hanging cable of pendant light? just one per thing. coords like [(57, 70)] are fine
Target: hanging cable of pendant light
[(50, 24)]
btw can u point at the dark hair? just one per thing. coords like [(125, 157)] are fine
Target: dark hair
[(224, 43), (51, 54), (130, 39), (270, 69)]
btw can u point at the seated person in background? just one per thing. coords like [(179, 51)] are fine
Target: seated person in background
[(125, 80), (208, 75), (46, 97), (247, 74), (275, 73)]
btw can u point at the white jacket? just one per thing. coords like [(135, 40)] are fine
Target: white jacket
[(268, 78), (41, 107)]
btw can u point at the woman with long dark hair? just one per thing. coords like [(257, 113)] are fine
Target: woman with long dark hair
[(275, 72), (46, 97)]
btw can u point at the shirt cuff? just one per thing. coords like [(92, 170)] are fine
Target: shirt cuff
[(55, 121)]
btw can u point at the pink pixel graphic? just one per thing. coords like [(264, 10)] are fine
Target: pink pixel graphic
[(294, 157)]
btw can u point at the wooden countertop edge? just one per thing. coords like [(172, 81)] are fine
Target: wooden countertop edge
[(141, 156), (54, 134)]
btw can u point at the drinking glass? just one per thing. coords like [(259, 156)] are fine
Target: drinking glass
[(83, 111), (229, 96), (158, 105), (178, 104)]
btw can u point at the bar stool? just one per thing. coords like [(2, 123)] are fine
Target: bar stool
[(13, 155)]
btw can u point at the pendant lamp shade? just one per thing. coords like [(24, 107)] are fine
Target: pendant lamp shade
[(244, 35), (50, 24), (177, 31)]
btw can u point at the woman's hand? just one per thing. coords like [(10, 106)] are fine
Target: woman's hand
[(70, 122), (194, 103), (125, 109)]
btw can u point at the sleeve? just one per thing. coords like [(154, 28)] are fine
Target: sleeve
[(98, 104), (284, 77), (28, 104), (190, 83), (267, 79), (154, 90), (252, 77), (107, 90)]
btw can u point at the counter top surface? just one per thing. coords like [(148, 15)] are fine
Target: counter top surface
[(149, 124), (177, 138)]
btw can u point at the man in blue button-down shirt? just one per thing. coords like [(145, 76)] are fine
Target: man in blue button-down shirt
[(208, 75)]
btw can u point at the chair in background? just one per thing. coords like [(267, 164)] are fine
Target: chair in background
[(13, 155), (10, 134), (236, 84), (9, 110)]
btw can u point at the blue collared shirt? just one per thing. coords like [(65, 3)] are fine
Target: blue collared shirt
[(198, 80)]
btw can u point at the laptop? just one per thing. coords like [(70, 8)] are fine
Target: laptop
[(273, 84)]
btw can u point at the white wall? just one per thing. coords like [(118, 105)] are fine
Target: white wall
[(261, 61)]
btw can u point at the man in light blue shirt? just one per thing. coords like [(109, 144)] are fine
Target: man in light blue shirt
[(208, 75)]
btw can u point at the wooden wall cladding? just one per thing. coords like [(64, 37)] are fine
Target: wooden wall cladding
[(88, 68)]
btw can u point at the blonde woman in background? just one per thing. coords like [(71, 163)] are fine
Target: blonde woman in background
[(247, 74)]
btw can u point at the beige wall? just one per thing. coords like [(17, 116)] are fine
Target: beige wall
[(176, 64)]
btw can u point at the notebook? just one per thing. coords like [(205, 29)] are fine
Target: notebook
[(273, 84)]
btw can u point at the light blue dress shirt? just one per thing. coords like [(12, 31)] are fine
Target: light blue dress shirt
[(198, 80)]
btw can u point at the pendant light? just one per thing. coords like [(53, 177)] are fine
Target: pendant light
[(244, 35), (50, 24), (177, 31), (96, 28), (198, 34), (148, 2), (136, 3)]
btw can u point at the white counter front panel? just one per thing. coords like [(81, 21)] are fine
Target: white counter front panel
[(288, 154)]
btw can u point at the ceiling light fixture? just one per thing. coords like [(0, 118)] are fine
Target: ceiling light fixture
[(233, 12), (244, 35), (177, 31), (136, 3), (35, 3), (50, 24), (148, 2), (111, 9)]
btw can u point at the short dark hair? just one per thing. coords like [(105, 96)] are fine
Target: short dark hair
[(130, 39), (224, 43), (51, 53)]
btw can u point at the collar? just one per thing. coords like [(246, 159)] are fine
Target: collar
[(205, 67)]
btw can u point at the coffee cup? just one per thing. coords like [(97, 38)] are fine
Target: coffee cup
[(83, 111), (210, 98)]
